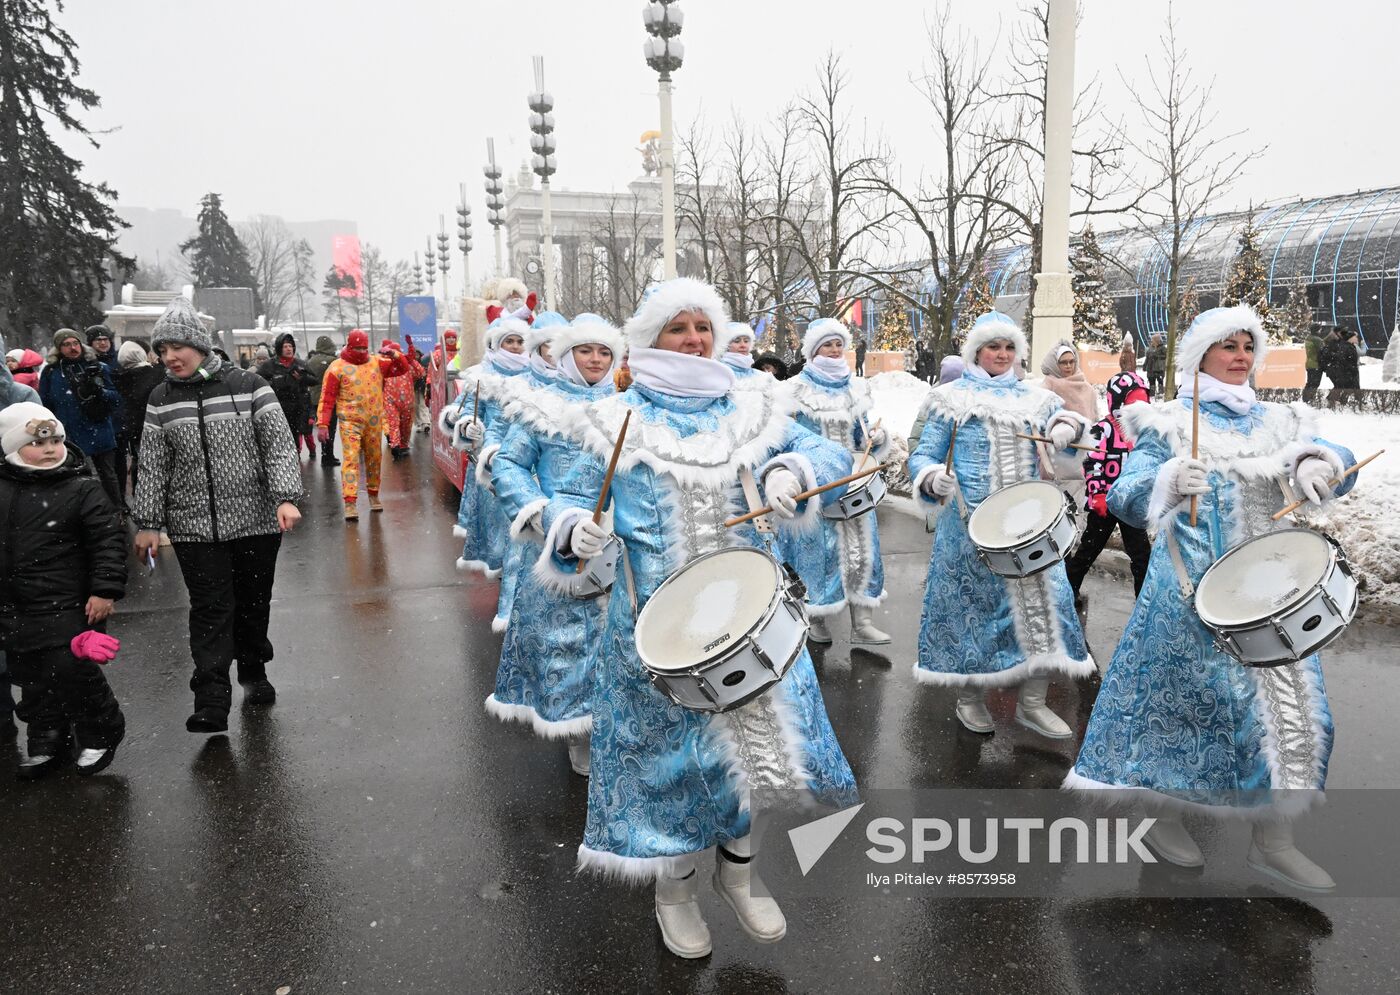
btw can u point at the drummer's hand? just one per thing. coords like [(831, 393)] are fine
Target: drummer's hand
[(587, 539), (1314, 478), (1188, 476), (472, 433), (938, 484), (782, 487), (878, 438), (1062, 433)]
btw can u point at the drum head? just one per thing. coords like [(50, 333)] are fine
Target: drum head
[(857, 465), (1268, 574), (705, 607), (1010, 516)]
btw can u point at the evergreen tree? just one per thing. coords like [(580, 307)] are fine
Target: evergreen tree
[(893, 332), (1095, 314), (1189, 307), (333, 301), (57, 232), (1295, 320), (1248, 282), (977, 301), (217, 255)]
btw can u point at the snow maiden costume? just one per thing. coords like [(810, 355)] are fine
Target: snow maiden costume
[(1177, 721), (667, 782), (741, 363), (480, 521), (545, 676), (843, 566), (980, 630)]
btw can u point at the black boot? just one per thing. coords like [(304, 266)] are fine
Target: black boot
[(328, 457), (208, 719), (259, 692)]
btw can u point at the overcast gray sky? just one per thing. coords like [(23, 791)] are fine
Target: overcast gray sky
[(375, 111)]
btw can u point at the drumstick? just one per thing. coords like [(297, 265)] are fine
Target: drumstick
[(1041, 438), (476, 400), (804, 495), (1331, 483), (869, 441), (1195, 432), (607, 479)]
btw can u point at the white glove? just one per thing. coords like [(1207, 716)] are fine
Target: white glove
[(938, 484), (536, 522), (1314, 477), (488, 460), (1188, 476), (1062, 433), (472, 433), (878, 438), (587, 539), (782, 488)]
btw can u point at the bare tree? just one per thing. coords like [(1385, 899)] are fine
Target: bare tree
[(1190, 165), (272, 256), (304, 277), (154, 275), (374, 276), (784, 207), (697, 196)]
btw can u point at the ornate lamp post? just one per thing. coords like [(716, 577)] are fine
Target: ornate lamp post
[(430, 267), (417, 274), (542, 142), (495, 203), (664, 52), (1053, 317), (464, 238), (444, 257)]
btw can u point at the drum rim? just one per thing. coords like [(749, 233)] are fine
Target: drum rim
[(576, 580), (1304, 593), (1029, 540), (733, 645)]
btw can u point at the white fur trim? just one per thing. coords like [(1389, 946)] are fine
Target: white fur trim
[(733, 330), (521, 522), (459, 532), (988, 329), (500, 624), (837, 409), (588, 331), (1214, 326), (721, 727), (545, 571), (1020, 407), (447, 417), (1262, 455), (821, 330), (544, 728), (502, 287), (825, 611), (631, 870), (800, 467), (865, 601), (1311, 450), (1051, 665), (1165, 502), (539, 335), (497, 333), (483, 467), (669, 299), (1290, 804), (477, 566), (1068, 463), (549, 410), (933, 504)]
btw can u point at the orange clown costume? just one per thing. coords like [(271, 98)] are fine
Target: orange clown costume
[(399, 400), (353, 390)]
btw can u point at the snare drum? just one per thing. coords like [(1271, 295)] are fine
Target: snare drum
[(861, 496), (599, 571), (1278, 598), (723, 629), (1023, 529)]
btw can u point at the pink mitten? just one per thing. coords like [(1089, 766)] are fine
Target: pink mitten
[(96, 646)]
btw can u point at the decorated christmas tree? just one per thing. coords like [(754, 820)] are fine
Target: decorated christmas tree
[(1248, 282), (1295, 319), (1190, 307), (1095, 316), (893, 332), (976, 301)]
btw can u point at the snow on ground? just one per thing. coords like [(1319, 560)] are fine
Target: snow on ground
[(1365, 522), (1370, 371)]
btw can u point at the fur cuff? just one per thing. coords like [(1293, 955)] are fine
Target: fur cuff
[(552, 570), (522, 520), (477, 566), (1312, 450), (632, 870), (926, 502), (459, 532), (544, 728), (1067, 417), (808, 511), (1165, 502), (483, 467)]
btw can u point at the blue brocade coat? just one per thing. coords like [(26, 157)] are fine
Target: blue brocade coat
[(842, 563), (667, 781), (979, 629), (546, 672), (481, 523), (1176, 717)]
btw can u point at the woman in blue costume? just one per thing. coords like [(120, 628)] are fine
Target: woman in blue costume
[(545, 676), (734, 348), (843, 567), (1178, 722), (669, 783), (979, 630), (480, 522)]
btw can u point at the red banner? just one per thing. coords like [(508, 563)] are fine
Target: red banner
[(346, 260)]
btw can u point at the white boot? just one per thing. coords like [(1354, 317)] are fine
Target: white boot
[(1271, 852), (863, 631), (1169, 840), (1032, 713), (683, 929), (818, 632), (759, 917), (972, 710), (578, 755)]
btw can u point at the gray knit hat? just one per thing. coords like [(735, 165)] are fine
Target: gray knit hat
[(180, 325)]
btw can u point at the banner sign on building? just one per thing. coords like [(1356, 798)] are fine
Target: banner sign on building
[(345, 258)]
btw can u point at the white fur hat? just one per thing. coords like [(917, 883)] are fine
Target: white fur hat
[(988, 328), (585, 329), (821, 330), (502, 327), (1213, 326), (26, 422), (730, 332), (666, 300)]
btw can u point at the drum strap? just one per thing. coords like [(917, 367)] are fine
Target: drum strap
[(746, 481), (1183, 579)]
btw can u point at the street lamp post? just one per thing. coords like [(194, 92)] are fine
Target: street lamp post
[(664, 52), (464, 239), (542, 142), (444, 260), (495, 202), (1053, 317), (430, 268)]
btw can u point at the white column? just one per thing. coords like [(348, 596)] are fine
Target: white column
[(1053, 317), (548, 245), (668, 184), (496, 229)]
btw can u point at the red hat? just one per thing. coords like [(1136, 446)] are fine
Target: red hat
[(357, 340), (450, 334), (388, 344)]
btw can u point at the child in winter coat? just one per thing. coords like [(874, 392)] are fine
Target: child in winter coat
[(62, 565)]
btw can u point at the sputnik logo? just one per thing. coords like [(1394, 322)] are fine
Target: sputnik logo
[(811, 841)]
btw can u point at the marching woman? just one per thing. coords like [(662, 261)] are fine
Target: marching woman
[(669, 783), (980, 630), (1177, 720), (546, 673), (844, 567), (481, 523), (734, 348)]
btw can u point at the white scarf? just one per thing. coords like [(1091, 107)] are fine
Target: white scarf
[(680, 375), (1239, 398), (507, 362), (831, 367), (571, 372), (1007, 379), (738, 360), (542, 368)]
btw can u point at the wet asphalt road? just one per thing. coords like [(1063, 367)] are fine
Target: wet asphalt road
[(376, 831)]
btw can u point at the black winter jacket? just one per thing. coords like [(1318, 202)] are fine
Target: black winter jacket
[(135, 385), (290, 384), (60, 543)]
